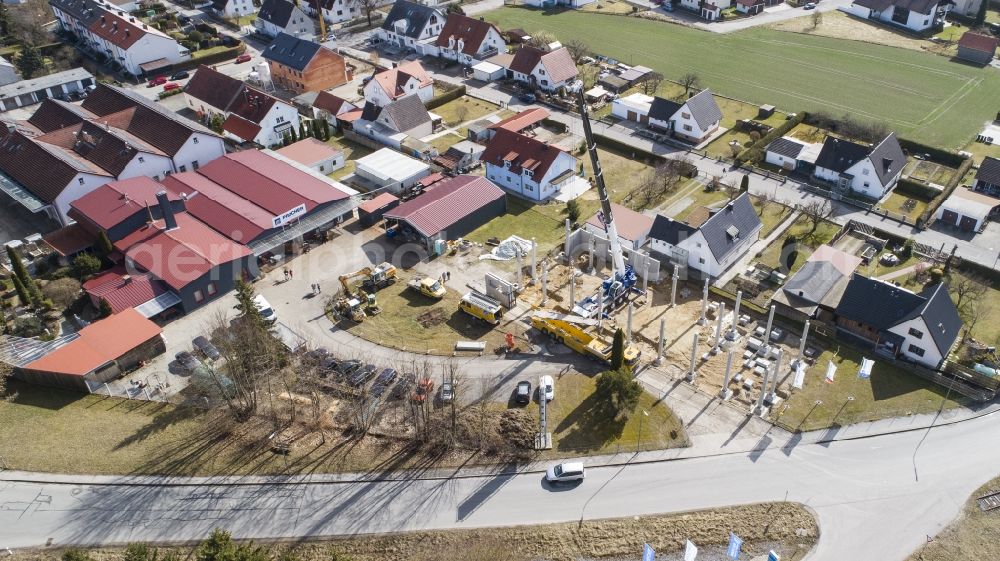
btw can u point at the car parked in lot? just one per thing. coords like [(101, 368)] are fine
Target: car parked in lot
[(265, 309), (315, 356), (384, 379), (522, 394), (424, 389), (546, 388), (328, 365), (404, 386), (809, 6), (243, 58), (565, 472), (157, 81), (447, 392), (180, 75), (206, 347), (362, 375), (348, 367), (187, 361), (527, 97)]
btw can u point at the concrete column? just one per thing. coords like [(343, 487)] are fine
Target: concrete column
[(726, 393), (659, 348), (520, 270), (590, 255), (645, 276), (704, 304), (629, 325), (673, 289), (736, 310), (545, 285), (569, 259), (600, 308), (694, 358), (767, 330), (802, 341), (772, 396), (572, 289), (718, 328), (763, 390), (534, 260)]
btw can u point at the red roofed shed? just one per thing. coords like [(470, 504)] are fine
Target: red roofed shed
[(452, 209)]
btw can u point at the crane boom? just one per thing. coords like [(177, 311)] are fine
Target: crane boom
[(617, 257)]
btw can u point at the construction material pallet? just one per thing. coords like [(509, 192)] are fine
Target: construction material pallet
[(989, 501)]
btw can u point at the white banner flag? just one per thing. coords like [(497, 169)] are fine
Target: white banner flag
[(690, 551), (800, 375), (866, 368), (831, 369)]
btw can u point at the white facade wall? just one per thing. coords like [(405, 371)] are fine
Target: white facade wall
[(299, 25), (198, 150), (543, 81), (149, 165), (685, 125), (279, 114), (151, 47), (865, 180), (621, 107), (79, 186), (236, 8), (932, 357), (528, 186), (780, 161), (374, 92)]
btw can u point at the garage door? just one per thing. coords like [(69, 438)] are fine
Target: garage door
[(644, 119), (633, 116), (968, 224), (949, 217)]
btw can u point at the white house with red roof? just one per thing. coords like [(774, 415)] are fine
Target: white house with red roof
[(468, 40), (138, 47), (547, 70), (526, 166), (329, 107), (408, 78)]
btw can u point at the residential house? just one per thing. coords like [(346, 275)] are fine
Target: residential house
[(468, 40), (523, 122), (282, 16), (814, 291), (987, 178), (330, 107), (977, 48), (461, 157), (409, 24), (792, 154), (392, 124), (314, 154), (339, 11), (547, 70), (710, 10), (749, 7), (527, 167), (709, 249), (897, 323), (915, 15), (555, 3), (64, 151), (408, 78), (967, 210), (301, 65), (233, 8), (392, 171), (8, 73), (967, 8), (139, 48), (633, 227), (871, 171), (694, 120), (251, 115)]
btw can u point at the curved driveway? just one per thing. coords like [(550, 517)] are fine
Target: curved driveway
[(876, 498)]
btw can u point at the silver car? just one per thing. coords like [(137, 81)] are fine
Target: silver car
[(568, 471)]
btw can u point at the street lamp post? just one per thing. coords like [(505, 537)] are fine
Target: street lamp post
[(638, 438)]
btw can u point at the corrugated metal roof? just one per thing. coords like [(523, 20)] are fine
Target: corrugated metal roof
[(112, 203), (448, 202)]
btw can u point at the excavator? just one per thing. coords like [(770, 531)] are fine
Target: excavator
[(373, 278)]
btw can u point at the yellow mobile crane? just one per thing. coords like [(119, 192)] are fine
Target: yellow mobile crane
[(566, 329)]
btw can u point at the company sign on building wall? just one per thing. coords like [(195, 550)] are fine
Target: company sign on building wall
[(289, 216)]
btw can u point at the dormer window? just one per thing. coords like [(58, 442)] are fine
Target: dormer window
[(506, 165)]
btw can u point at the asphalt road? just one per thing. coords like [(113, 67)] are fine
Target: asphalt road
[(874, 498)]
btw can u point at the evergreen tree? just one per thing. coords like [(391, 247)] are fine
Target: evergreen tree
[(618, 350), (302, 129), (295, 138), (745, 184), (245, 304), (286, 140), (572, 210), (29, 61), (5, 25), (619, 392), (981, 14), (106, 309), (27, 283), (316, 132), (104, 244), (326, 129), (22, 292)]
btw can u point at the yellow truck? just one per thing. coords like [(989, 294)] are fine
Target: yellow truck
[(481, 307), (568, 333), (431, 288)]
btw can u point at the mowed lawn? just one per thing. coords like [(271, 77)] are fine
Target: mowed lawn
[(922, 96)]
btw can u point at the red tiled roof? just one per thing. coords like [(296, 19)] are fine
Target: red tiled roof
[(630, 224), (124, 291), (112, 203), (309, 151), (379, 202), (471, 31), (182, 255), (447, 203), (142, 117), (252, 104), (326, 101), (69, 240), (523, 153), (558, 64), (393, 80), (240, 127), (117, 30), (979, 42), (431, 179), (225, 211), (44, 169), (523, 120), (350, 116), (213, 87), (99, 343), (53, 114)]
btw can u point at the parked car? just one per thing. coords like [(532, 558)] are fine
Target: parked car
[(889, 259), (424, 389), (169, 86), (400, 390), (565, 472), (157, 81), (206, 347), (809, 6), (265, 309), (180, 75), (447, 392), (546, 388), (243, 58), (362, 375), (527, 97), (315, 356), (187, 361), (384, 379), (522, 394), (347, 367)]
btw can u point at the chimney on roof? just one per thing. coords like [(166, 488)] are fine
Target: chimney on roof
[(168, 211)]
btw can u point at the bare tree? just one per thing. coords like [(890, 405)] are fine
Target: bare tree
[(541, 40), (689, 80), (652, 83), (817, 211), (968, 290), (368, 7), (817, 19), (588, 75), (975, 313), (764, 202), (461, 112), (577, 49)]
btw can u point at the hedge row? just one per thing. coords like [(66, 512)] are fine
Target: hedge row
[(211, 59), (755, 152), (916, 190), (932, 207), (446, 97), (936, 155)]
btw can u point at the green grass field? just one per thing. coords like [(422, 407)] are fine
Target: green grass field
[(922, 96)]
